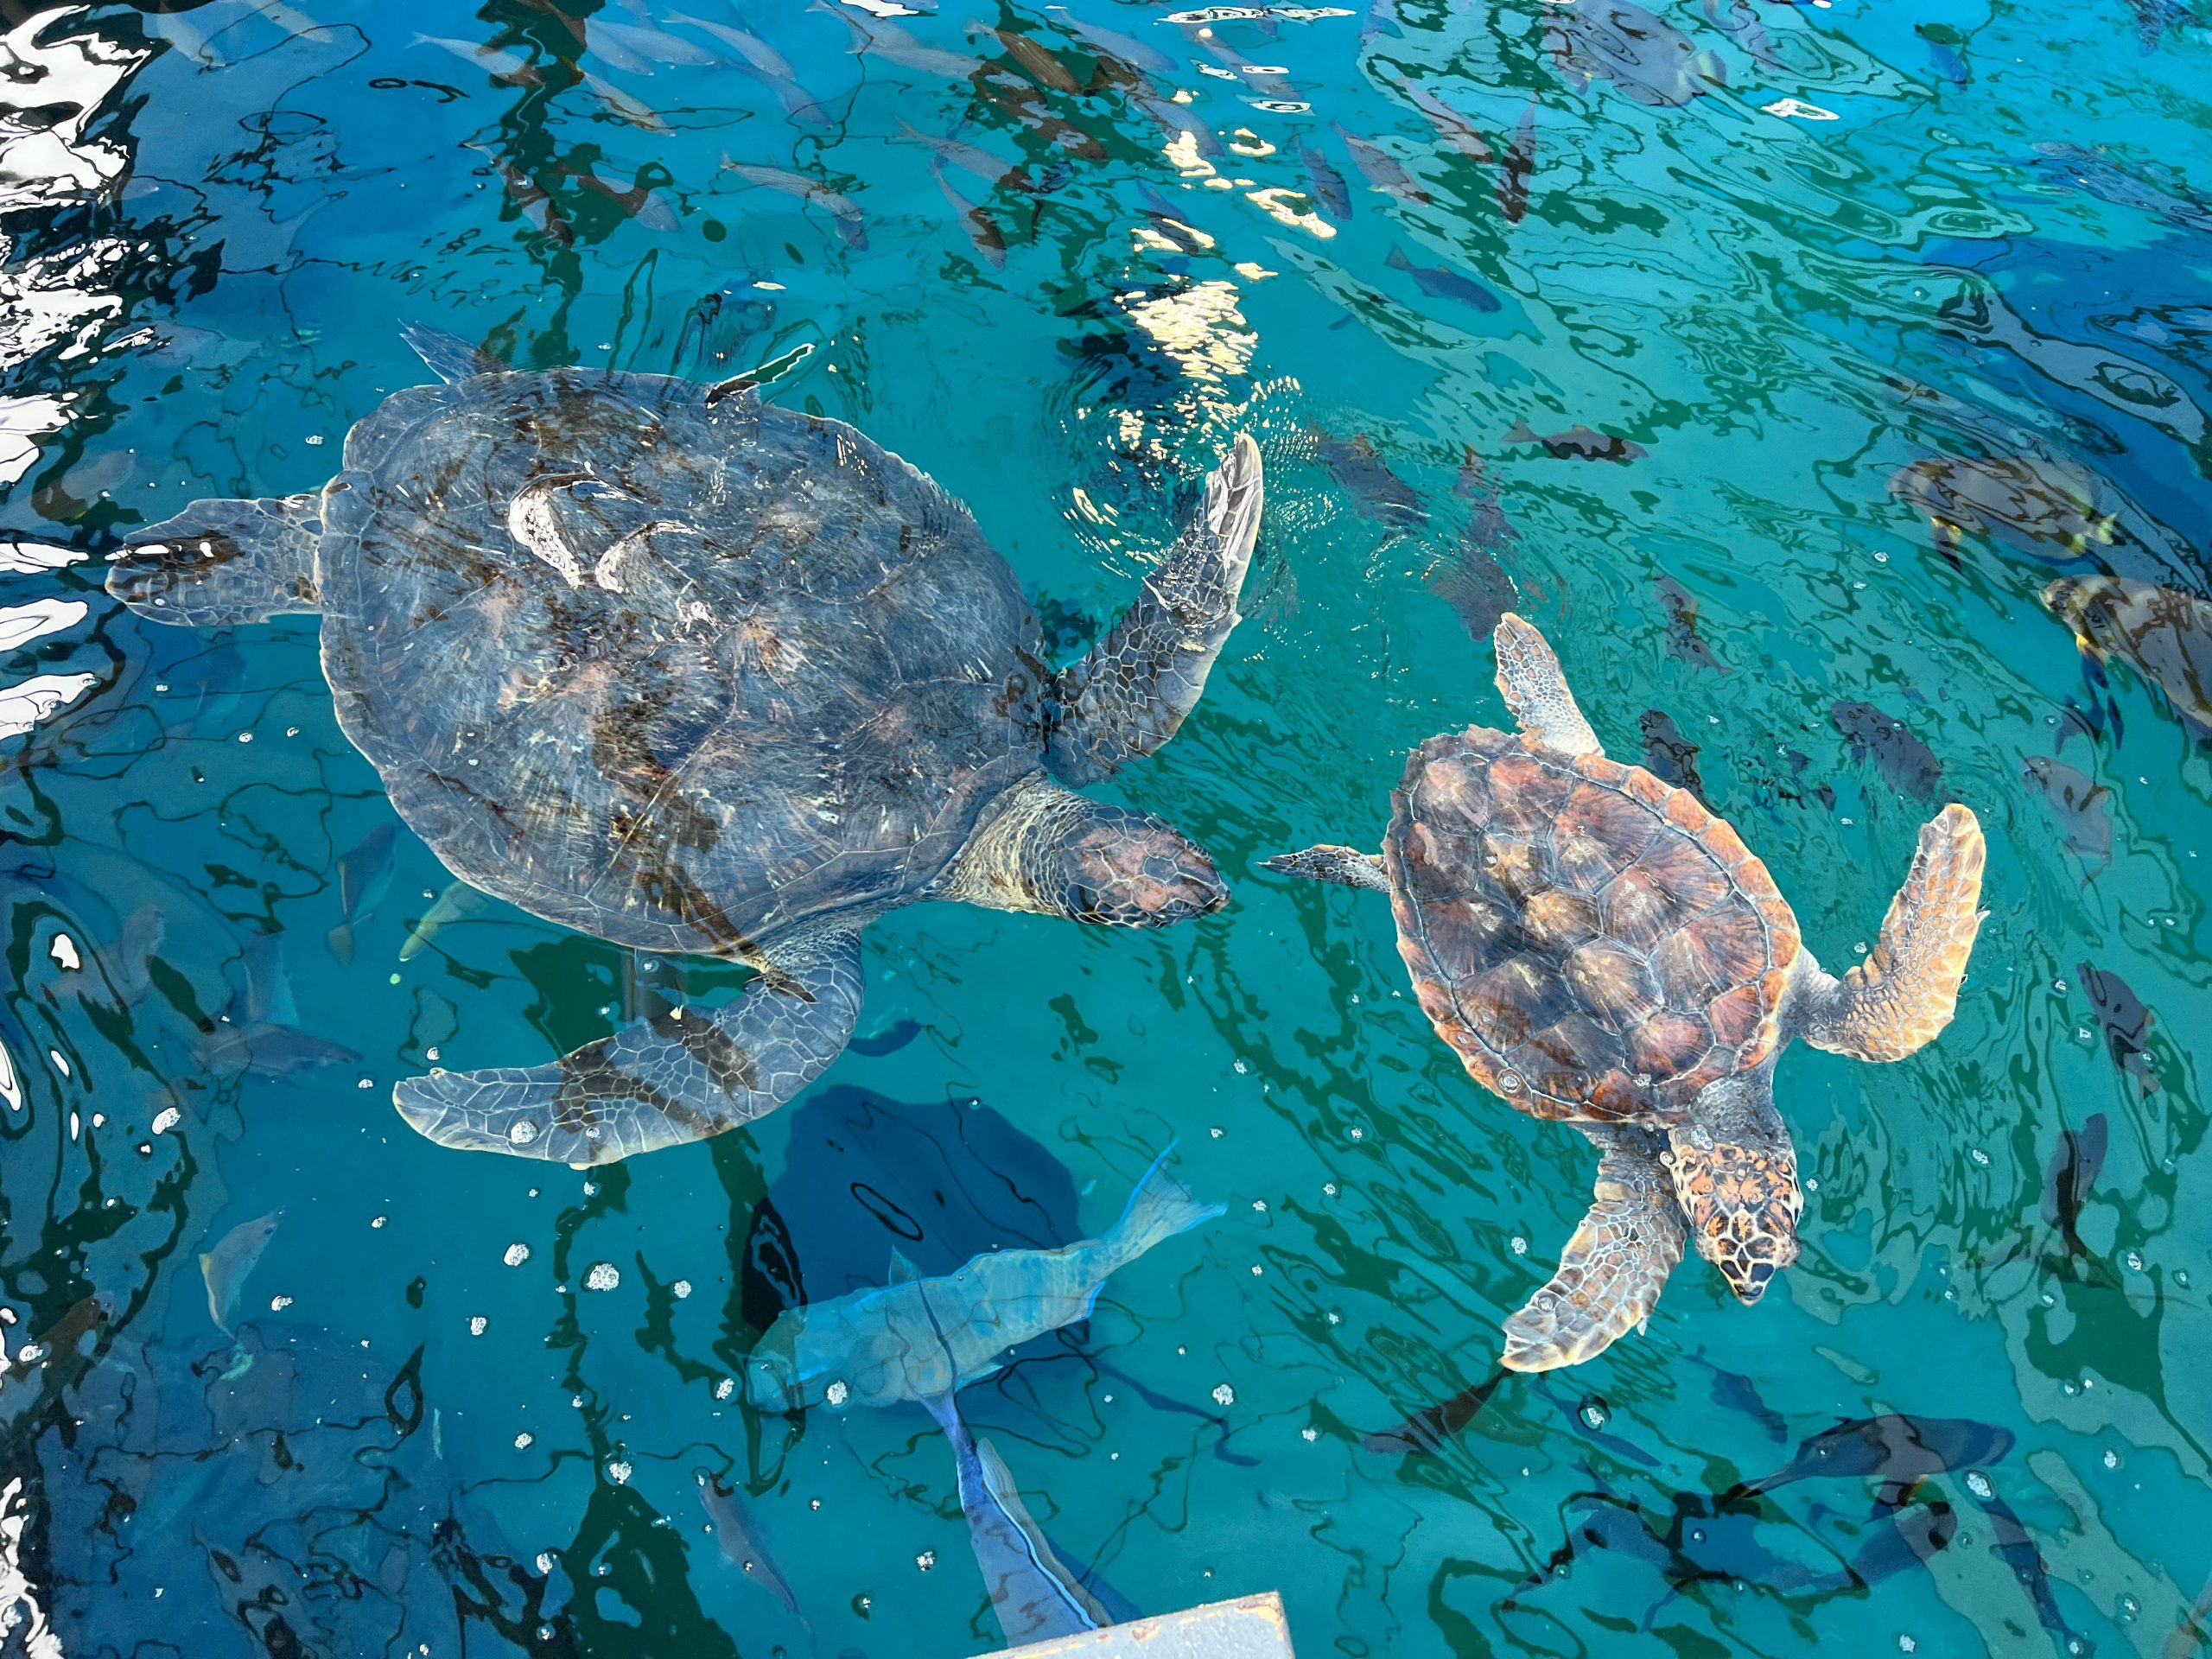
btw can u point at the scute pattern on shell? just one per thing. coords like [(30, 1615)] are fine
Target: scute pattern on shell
[(1595, 944), (681, 675)]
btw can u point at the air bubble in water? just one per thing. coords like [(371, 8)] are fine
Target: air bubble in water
[(836, 1393), (603, 1276), (1223, 1394), (516, 1254)]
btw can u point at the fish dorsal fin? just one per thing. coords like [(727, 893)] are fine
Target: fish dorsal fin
[(448, 356), (902, 1271)]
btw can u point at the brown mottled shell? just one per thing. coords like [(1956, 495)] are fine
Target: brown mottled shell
[(1595, 943)]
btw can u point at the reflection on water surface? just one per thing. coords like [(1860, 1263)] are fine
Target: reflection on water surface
[(1815, 377)]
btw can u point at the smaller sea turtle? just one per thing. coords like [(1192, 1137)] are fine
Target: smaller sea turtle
[(1601, 949)]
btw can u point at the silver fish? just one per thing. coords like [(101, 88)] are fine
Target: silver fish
[(885, 40), (455, 902), (1125, 50), (739, 1539), (623, 106), (363, 876), (2077, 801), (495, 61), (983, 233), (655, 44), (969, 158), (878, 1346), (1380, 169), (1033, 1592), (843, 209), (1452, 127), (225, 1267), (755, 50)]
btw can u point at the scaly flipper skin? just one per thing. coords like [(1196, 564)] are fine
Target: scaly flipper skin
[(221, 564), (1615, 1266), (661, 1081), (1131, 693), (1345, 866), (1534, 688), (1904, 994)]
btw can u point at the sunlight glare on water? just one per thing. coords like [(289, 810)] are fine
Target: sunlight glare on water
[(1774, 359)]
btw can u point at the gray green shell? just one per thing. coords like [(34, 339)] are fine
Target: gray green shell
[(784, 616)]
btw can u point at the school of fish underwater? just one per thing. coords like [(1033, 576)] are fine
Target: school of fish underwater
[(885, 827)]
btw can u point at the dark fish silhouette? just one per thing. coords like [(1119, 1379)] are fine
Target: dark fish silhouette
[(1378, 492), (983, 233), (2072, 1173), (364, 874), (881, 37), (843, 211), (1943, 42), (1683, 637), (2077, 801), (1124, 57), (889, 1040), (1439, 284), (1739, 21), (2164, 633), (1037, 60), (2032, 504), (1171, 222), (1577, 443), (1915, 1535), (1910, 765), (2124, 1022), (2030, 1571), (1474, 584), (1330, 191), (260, 1032), (1381, 168), (1513, 171), (1668, 755), (1736, 1392), (1898, 1449), (1425, 1431), (2086, 170)]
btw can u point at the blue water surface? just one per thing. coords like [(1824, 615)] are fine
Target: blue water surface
[(1856, 237)]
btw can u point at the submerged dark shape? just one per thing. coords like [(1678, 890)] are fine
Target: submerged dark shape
[(227, 1263), (1896, 1448), (1439, 284), (1647, 58), (2018, 1550), (1453, 128), (1683, 637), (1513, 171), (1601, 950), (2163, 634), (699, 675), (2088, 171), (2072, 1176), (2045, 506), (292, 1504), (1428, 1430), (2125, 1022), (1908, 764), (1378, 492), (1943, 42), (260, 1030), (1735, 1392), (1668, 755), (1469, 578), (2077, 801), (1577, 443), (1381, 168)]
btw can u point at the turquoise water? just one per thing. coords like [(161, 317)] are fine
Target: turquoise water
[(216, 220)]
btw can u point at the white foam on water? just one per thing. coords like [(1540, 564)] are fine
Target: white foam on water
[(11, 1090), (20, 558)]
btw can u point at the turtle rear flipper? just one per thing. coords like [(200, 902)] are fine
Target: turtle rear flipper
[(1904, 994), (1131, 693), (660, 1082), (1535, 688), (1615, 1266), (221, 563)]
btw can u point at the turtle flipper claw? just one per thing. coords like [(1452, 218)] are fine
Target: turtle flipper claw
[(661, 1082)]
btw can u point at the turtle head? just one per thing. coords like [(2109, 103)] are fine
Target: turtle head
[(1051, 851), (1740, 1194)]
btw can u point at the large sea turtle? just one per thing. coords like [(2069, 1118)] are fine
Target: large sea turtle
[(1602, 949), (673, 666)]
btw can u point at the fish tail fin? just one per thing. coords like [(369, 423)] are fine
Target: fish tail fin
[(1160, 1208), (1397, 260), (1712, 66), (1521, 434), (340, 940)]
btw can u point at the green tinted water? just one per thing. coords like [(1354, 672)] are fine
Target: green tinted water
[(216, 219)]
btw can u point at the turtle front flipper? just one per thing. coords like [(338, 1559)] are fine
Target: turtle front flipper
[(1131, 693), (683, 1076), (1345, 866), (220, 563), (1534, 688), (1905, 991), (1615, 1266)]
